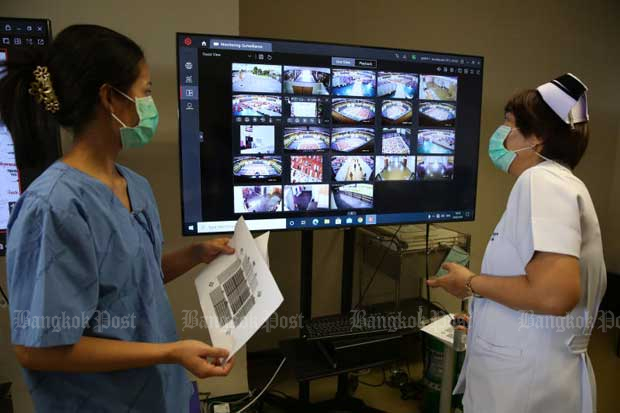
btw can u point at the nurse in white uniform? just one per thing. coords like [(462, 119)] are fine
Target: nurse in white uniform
[(543, 274)]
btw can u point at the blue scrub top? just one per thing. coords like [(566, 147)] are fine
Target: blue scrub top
[(79, 263)]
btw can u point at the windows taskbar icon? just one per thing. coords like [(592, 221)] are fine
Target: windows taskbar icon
[(333, 221)]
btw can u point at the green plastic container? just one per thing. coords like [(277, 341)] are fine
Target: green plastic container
[(433, 353)]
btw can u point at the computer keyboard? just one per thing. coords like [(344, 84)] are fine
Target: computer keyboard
[(354, 324)]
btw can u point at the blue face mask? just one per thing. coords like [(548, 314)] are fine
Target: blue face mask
[(142, 133), (501, 157)]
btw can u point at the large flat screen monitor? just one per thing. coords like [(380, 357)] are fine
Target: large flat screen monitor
[(16, 35), (302, 135)]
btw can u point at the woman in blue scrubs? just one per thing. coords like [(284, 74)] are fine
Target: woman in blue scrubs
[(91, 322)]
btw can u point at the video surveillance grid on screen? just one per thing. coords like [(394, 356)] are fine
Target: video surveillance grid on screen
[(349, 92), (317, 137)]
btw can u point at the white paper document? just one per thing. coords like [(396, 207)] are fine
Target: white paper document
[(441, 329), (237, 292)]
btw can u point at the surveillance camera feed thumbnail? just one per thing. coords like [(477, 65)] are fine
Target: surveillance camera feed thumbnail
[(256, 78), (396, 112), (352, 168), (257, 105), (438, 87), (437, 114), (346, 82), (436, 141), (434, 168), (397, 85), (257, 168), (308, 110), (306, 197), (306, 168), (324, 135), (253, 199), (306, 139), (395, 168), (300, 80), (353, 140), (256, 139), (352, 196), (396, 141), (353, 111)]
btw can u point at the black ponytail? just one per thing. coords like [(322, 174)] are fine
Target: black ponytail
[(34, 131), (80, 60)]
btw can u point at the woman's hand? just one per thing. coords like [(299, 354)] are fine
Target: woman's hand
[(454, 281), (200, 359), (207, 251)]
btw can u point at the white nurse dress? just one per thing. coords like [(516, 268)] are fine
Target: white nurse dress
[(519, 362)]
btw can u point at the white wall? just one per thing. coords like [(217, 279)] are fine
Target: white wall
[(153, 25)]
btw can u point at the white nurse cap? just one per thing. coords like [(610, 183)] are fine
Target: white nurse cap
[(566, 95)]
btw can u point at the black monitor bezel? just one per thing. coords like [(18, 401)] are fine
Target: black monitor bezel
[(178, 38)]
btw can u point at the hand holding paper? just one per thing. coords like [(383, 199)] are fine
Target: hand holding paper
[(237, 292)]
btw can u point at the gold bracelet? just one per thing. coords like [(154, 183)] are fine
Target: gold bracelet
[(469, 287)]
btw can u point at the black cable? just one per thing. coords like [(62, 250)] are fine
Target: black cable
[(255, 399), (426, 254), (280, 394), (4, 296), (363, 383), (242, 399), (425, 361), (372, 278), (424, 356), (364, 258)]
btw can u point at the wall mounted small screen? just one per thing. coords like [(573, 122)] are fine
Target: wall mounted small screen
[(15, 36)]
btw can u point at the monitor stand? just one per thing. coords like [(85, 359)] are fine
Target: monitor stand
[(343, 401)]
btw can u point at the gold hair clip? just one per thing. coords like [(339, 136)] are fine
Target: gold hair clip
[(43, 91)]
